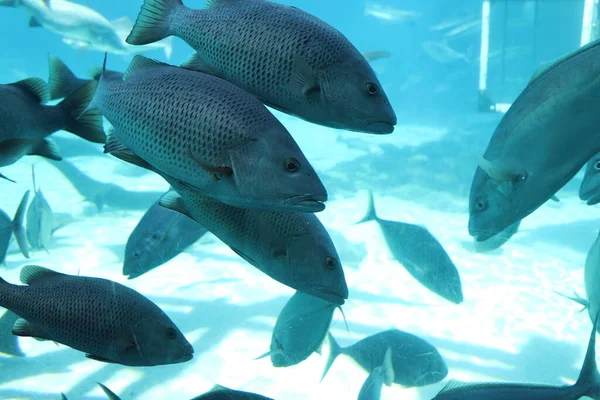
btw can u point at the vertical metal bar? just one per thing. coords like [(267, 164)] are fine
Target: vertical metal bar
[(485, 45)]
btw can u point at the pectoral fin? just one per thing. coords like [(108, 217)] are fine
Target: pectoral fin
[(499, 171)]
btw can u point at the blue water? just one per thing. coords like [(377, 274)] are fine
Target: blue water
[(511, 326)]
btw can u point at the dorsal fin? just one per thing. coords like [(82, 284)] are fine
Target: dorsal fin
[(109, 393), (217, 388), (214, 3), (36, 87), (30, 274), (371, 213), (139, 62)]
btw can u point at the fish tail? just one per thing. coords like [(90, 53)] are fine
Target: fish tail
[(18, 228), (81, 118), (334, 351), (153, 22), (61, 79), (371, 214), (589, 378)]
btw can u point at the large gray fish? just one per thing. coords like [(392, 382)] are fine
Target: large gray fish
[(292, 248), (300, 329), (384, 374), (106, 320), (587, 385), (415, 362), (591, 279), (286, 57), (8, 228), (160, 235), (26, 122), (210, 135), (40, 219), (556, 114), (421, 254), (70, 20), (589, 191)]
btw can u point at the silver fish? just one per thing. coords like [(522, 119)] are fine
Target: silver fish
[(40, 219), (286, 57), (8, 228), (210, 135), (442, 52), (106, 320), (301, 327), (556, 112), (371, 389), (589, 191)]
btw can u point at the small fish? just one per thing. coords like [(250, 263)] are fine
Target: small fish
[(421, 254), (40, 219), (391, 14), (70, 20), (415, 362), (511, 181), (292, 248), (587, 385), (219, 392), (8, 228), (301, 327), (108, 321), (287, 58), (371, 389), (230, 147), (26, 122), (589, 191), (496, 241), (160, 236), (442, 52)]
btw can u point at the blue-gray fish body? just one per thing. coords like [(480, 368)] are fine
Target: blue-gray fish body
[(160, 235), (40, 220), (286, 57), (104, 319), (589, 191), (384, 374), (591, 278), (301, 327), (415, 362), (26, 122), (556, 114), (588, 384), (421, 254), (497, 240), (223, 393), (210, 135), (6, 230)]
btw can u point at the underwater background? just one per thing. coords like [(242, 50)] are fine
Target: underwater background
[(511, 325)]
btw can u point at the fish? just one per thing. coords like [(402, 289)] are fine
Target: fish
[(122, 26), (301, 327), (8, 228), (415, 362), (498, 240), (371, 56), (441, 52), (209, 135), (40, 219), (108, 321), (591, 279), (160, 236), (219, 392), (26, 122), (391, 14), (371, 389), (511, 181), (421, 254), (287, 58), (70, 20), (293, 248), (9, 343), (589, 191), (587, 385)]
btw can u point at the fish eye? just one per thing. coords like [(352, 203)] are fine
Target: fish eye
[(372, 88), (291, 165), (171, 333), (481, 205), (331, 263), (136, 254), (521, 177), (597, 166)]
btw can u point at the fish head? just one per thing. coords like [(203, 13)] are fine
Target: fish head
[(353, 98), (313, 267), (494, 205), (271, 172), (279, 357), (589, 191), (157, 341), (141, 257)]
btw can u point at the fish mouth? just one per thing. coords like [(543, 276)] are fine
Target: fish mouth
[(306, 203), (330, 297), (380, 127), (592, 199)]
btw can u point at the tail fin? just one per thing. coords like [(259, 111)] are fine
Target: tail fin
[(89, 124), (371, 214), (153, 22), (17, 225), (334, 351), (61, 80), (589, 378), (109, 393)]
